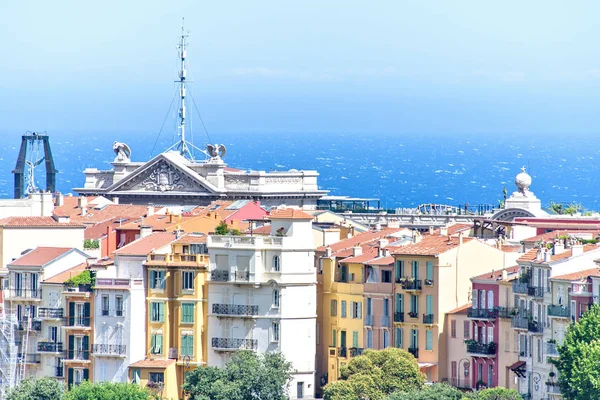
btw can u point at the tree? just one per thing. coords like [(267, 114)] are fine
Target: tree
[(108, 391), (438, 391), (247, 376), (222, 228), (42, 389), (375, 375), (498, 393), (579, 357)]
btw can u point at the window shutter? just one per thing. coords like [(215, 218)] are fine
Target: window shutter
[(71, 346), (354, 339), (344, 309), (159, 343), (428, 340), (490, 334), (490, 300), (467, 328), (359, 310), (71, 314), (429, 270), (334, 334), (70, 377), (86, 312), (429, 304), (86, 374), (153, 344), (161, 312)]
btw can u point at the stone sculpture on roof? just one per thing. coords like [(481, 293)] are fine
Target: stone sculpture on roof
[(216, 151), (122, 151)]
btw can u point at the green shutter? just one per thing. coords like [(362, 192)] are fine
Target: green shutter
[(429, 270), (428, 340), (86, 314), (187, 313), (399, 338), (187, 345), (343, 308), (161, 312), (334, 338), (415, 269), (429, 304), (86, 374), (355, 339), (70, 377), (71, 347), (153, 344), (71, 314), (86, 347)]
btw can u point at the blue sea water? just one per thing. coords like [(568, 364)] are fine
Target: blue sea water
[(402, 170)]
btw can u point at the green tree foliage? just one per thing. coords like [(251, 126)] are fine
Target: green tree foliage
[(248, 376), (438, 391), (557, 208), (579, 358), (84, 278), (39, 389), (497, 393), (375, 375), (107, 391), (222, 228)]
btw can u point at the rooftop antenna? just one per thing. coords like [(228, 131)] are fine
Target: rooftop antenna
[(182, 145)]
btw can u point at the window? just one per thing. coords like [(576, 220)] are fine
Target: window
[(480, 372), (454, 373), (386, 276), (429, 305), (356, 310), (119, 305), (198, 248), (369, 306), (453, 328), (34, 285), (77, 376), (355, 339), (490, 376), (386, 307), (276, 264), (399, 303), (399, 338), (414, 304), (187, 313), (429, 272), (157, 279), (399, 269), (369, 339), (275, 332), (156, 377), (386, 339), (344, 311), (428, 339), (475, 298), (105, 305), (333, 308), (414, 339), (187, 345), (276, 298), (157, 312), (187, 280), (135, 376), (156, 344), (467, 328)]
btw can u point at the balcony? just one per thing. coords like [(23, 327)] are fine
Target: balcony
[(77, 355), (481, 349), (109, 350), (109, 283), (50, 313), (412, 284), (535, 327), (480, 313), (414, 351), (519, 322), (342, 352), (24, 294), (50, 347), (81, 288), (535, 291), (78, 321), (29, 358), (243, 241), (356, 351), (231, 344), (384, 321), (428, 319), (398, 317), (59, 372), (176, 258), (520, 287), (428, 282), (368, 320), (219, 275), (234, 310), (35, 325), (558, 311), (413, 314), (504, 312), (551, 349)]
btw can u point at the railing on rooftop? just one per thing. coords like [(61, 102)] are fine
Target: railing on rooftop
[(112, 282), (245, 240), (177, 257)]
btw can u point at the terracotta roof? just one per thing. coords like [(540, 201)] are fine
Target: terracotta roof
[(152, 363), (531, 255), (218, 207), (102, 213), (554, 234), (460, 310), (144, 246), (573, 276), (381, 261), (365, 256), (289, 213), (511, 248), (497, 274), (158, 222), (361, 238), (431, 245), (68, 274), (36, 222), (455, 228), (40, 256), (261, 230), (99, 230), (191, 238)]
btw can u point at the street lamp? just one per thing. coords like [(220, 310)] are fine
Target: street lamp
[(186, 362), (534, 383)]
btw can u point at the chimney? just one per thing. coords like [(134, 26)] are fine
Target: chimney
[(576, 250), (115, 200), (386, 252), (351, 234), (356, 251), (149, 210), (547, 255), (328, 252), (145, 231), (170, 218), (431, 230), (416, 236), (83, 211), (82, 201), (377, 227), (60, 200), (383, 243), (444, 231), (460, 238), (504, 274), (559, 246), (393, 224)]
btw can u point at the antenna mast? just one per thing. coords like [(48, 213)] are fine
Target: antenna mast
[(182, 146)]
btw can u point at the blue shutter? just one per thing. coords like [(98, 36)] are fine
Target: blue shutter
[(71, 314), (429, 304), (344, 309), (161, 312), (429, 270), (355, 339), (359, 310), (428, 340)]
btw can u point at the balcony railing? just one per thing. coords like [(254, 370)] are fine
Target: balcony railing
[(243, 276), (234, 309), (356, 351), (73, 354), (504, 312), (50, 347), (519, 323), (535, 327), (234, 344), (520, 287), (109, 349), (428, 318), (22, 293), (413, 314), (481, 348), (558, 311), (342, 352), (414, 351), (535, 291), (369, 319), (428, 282), (76, 320), (551, 349), (29, 358), (59, 372), (412, 284), (56, 313), (479, 313), (35, 325), (112, 282), (398, 317), (81, 288), (384, 321), (219, 275)]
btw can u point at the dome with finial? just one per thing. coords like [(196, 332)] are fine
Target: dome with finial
[(523, 181)]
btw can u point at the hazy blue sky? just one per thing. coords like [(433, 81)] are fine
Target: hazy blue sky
[(303, 66)]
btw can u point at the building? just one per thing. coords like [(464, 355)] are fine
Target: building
[(458, 364), (262, 296), (176, 325)]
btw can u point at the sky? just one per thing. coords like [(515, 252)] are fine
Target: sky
[(399, 67)]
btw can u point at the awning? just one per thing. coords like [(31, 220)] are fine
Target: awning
[(519, 368), (426, 364)]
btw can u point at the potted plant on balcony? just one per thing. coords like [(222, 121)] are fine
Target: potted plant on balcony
[(470, 342), (492, 347), (429, 282), (552, 341), (413, 314), (480, 385)]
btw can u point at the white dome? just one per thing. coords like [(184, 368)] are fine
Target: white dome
[(523, 181)]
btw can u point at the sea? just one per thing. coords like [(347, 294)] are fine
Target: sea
[(402, 170)]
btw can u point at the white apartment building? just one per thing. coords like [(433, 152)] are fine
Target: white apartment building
[(262, 296)]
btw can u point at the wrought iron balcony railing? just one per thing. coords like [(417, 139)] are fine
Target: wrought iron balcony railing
[(234, 344), (368, 319), (414, 351), (234, 309), (481, 348), (535, 291), (558, 311), (73, 354), (342, 352), (481, 313), (518, 322), (412, 284), (384, 321), (356, 351), (520, 287), (55, 313), (50, 347), (428, 318), (108, 349), (398, 317)]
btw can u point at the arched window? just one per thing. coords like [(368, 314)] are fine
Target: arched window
[(276, 298), (276, 264)]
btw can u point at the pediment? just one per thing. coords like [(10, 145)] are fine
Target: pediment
[(160, 176)]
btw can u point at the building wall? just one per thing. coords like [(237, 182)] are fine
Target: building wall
[(457, 352)]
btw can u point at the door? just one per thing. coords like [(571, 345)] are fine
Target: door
[(53, 334), (300, 390), (414, 338)]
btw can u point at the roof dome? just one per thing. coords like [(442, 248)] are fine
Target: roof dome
[(523, 181)]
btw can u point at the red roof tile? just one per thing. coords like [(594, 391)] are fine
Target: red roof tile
[(381, 261), (289, 213), (365, 256), (40, 256), (431, 245), (455, 228), (554, 234), (190, 238), (99, 230), (574, 276), (361, 238), (497, 274), (144, 246), (36, 222), (460, 310), (98, 214), (152, 363), (531, 255), (66, 275)]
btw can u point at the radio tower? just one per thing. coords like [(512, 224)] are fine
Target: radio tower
[(182, 146)]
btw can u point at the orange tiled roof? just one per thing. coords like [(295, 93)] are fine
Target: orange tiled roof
[(361, 238), (261, 230), (497, 274), (212, 208), (144, 246), (36, 222), (152, 363), (431, 245), (68, 274), (455, 228), (460, 310), (99, 230), (381, 261), (554, 234), (531, 255), (365, 256), (158, 222), (40, 256), (573, 276), (190, 238), (94, 215), (289, 213)]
